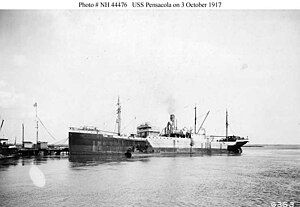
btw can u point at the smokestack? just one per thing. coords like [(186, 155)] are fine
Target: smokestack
[(172, 119)]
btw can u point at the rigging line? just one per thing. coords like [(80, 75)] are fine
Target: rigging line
[(201, 115), (128, 123), (61, 141), (46, 128), (65, 139), (231, 130)]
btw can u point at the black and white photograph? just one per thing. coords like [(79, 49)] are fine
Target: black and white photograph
[(150, 107)]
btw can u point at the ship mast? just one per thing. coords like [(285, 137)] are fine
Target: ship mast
[(119, 116), (23, 135), (195, 119), (226, 124), (37, 123)]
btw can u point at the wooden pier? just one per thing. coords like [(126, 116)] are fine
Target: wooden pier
[(43, 152)]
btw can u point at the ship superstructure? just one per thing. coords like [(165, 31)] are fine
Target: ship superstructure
[(149, 140)]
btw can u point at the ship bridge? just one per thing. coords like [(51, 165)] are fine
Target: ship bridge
[(145, 130)]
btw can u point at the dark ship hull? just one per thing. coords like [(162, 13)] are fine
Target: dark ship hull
[(81, 143)]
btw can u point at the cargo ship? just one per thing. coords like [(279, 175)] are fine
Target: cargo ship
[(150, 141)]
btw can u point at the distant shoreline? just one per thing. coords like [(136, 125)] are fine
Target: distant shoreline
[(253, 145), (285, 146)]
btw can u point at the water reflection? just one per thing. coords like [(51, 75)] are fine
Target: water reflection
[(256, 178), (4, 163), (92, 160), (23, 161)]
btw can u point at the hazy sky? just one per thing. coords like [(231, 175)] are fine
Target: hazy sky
[(76, 63)]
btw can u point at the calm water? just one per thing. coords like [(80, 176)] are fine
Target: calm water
[(256, 178)]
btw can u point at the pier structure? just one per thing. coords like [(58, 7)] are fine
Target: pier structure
[(43, 152)]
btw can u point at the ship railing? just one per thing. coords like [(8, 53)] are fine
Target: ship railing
[(91, 130), (107, 133)]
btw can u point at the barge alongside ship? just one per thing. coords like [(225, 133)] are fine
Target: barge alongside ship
[(149, 141)]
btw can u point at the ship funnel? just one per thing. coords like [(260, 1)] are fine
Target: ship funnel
[(172, 119), (171, 125)]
